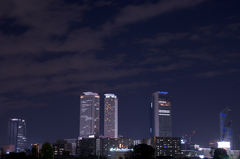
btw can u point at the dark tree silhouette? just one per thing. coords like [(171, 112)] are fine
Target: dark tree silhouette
[(220, 153), (13, 155), (143, 151), (46, 151)]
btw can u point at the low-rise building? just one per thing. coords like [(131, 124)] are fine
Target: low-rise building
[(61, 148), (86, 147), (166, 146), (123, 153)]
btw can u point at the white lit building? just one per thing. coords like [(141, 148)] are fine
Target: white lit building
[(89, 115), (111, 116)]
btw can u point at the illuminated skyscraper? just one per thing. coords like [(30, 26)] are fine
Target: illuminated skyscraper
[(17, 134), (111, 116), (160, 115), (226, 126), (89, 115)]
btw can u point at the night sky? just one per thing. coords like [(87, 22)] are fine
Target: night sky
[(53, 51)]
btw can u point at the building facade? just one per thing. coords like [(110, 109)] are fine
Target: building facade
[(17, 134), (111, 116), (105, 145), (166, 146), (89, 115), (73, 142), (161, 115), (86, 147), (62, 148), (226, 132)]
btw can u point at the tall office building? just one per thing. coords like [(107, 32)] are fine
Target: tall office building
[(89, 115), (111, 116), (226, 133), (17, 134), (160, 115)]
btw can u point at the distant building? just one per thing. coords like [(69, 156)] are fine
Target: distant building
[(125, 142), (86, 147), (62, 148), (17, 134), (226, 132), (89, 115), (136, 142), (145, 141), (161, 115), (6, 149), (73, 142), (121, 153), (213, 143), (35, 149), (111, 116), (105, 145), (166, 146)]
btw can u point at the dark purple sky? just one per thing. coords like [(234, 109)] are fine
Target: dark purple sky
[(52, 51)]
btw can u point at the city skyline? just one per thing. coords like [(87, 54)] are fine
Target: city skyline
[(52, 51), (160, 107)]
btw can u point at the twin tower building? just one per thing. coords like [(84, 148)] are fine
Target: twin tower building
[(90, 113), (160, 115)]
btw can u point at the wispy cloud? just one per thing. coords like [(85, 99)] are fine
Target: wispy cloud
[(209, 74)]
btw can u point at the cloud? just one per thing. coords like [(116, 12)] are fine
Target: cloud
[(209, 74), (163, 38), (42, 53), (16, 104), (136, 13)]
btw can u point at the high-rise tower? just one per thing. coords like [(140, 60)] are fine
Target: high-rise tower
[(160, 115), (17, 134), (111, 116), (226, 127), (89, 115)]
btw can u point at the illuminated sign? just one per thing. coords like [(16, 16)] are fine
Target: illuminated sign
[(162, 92), (164, 114), (164, 111), (121, 149), (162, 101), (223, 144), (91, 136), (15, 119)]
